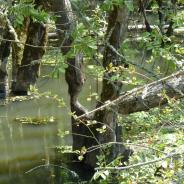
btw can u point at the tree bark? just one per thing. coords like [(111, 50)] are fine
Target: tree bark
[(116, 32), (17, 52), (73, 73), (33, 52), (34, 49), (5, 48), (152, 95), (75, 79)]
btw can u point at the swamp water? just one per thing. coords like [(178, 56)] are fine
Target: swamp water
[(27, 148)]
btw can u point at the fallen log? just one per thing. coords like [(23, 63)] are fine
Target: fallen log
[(153, 94), (148, 96)]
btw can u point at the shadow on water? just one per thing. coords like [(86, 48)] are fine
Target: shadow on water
[(27, 151)]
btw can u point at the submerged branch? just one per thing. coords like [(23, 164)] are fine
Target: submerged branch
[(51, 165)]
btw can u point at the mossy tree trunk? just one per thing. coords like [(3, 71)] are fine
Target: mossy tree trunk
[(17, 52), (33, 51), (5, 49)]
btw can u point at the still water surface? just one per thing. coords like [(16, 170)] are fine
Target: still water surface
[(26, 146)]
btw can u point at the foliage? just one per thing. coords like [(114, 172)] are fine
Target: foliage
[(150, 135), (23, 10), (150, 55), (159, 130), (26, 9)]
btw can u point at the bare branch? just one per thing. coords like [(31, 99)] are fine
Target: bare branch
[(148, 96), (140, 164)]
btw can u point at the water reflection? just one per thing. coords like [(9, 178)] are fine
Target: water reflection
[(27, 151)]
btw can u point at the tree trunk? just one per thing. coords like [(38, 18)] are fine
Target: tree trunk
[(33, 52), (75, 80), (17, 53), (5, 48), (116, 32), (73, 74), (64, 23), (34, 49)]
